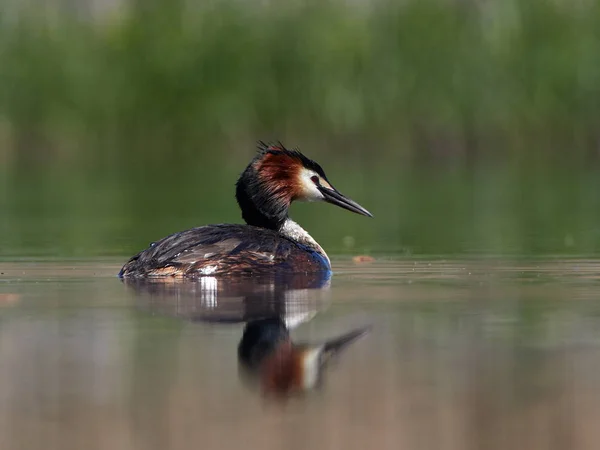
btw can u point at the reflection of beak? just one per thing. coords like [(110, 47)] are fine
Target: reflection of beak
[(334, 346), (334, 197), (314, 358)]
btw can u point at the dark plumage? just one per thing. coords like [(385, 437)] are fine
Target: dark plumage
[(224, 249), (261, 337)]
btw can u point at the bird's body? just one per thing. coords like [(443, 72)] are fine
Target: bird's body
[(270, 242), (225, 249)]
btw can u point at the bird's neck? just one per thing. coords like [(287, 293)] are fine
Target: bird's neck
[(295, 232), (259, 210), (255, 217)]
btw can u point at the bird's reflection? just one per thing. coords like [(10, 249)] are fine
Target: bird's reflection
[(294, 297), (270, 307)]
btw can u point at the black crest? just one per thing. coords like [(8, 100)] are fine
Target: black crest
[(275, 148)]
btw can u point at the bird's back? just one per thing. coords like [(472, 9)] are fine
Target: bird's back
[(224, 249)]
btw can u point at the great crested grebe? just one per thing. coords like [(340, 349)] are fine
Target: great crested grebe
[(270, 242)]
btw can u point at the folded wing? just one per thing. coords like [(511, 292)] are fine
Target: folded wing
[(221, 250)]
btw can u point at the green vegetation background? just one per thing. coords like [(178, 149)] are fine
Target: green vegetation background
[(464, 126)]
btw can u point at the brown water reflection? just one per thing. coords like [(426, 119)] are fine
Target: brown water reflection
[(463, 355)]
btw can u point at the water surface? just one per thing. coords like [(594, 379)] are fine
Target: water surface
[(463, 354)]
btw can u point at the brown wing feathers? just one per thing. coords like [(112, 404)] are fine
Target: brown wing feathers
[(218, 250)]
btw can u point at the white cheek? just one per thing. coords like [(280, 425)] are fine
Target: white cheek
[(310, 193), (311, 368)]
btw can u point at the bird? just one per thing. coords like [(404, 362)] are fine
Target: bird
[(269, 243), (268, 358)]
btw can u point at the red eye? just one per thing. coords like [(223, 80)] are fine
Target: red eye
[(315, 179)]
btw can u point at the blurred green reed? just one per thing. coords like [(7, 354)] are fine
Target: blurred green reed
[(464, 126)]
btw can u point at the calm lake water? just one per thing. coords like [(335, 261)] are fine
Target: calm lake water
[(463, 354)]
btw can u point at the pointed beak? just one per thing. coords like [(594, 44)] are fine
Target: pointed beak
[(336, 345), (334, 197)]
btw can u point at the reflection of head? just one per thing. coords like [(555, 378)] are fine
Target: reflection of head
[(270, 360), (260, 338)]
